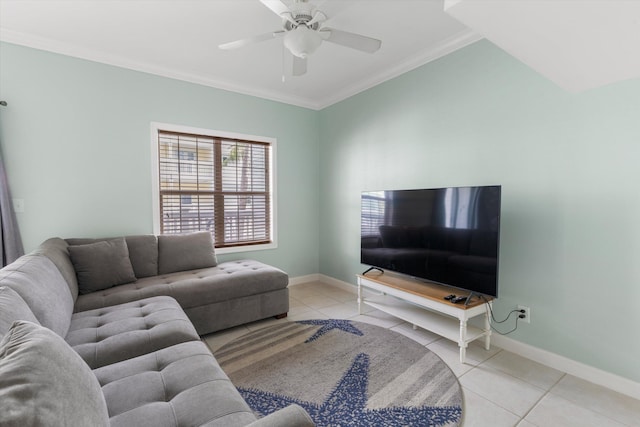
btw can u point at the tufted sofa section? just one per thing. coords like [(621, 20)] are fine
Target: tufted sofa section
[(177, 381), (111, 334), (136, 341)]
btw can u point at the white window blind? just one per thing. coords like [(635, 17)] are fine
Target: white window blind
[(373, 212), (216, 184)]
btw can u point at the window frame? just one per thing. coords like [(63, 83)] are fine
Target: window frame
[(155, 179)]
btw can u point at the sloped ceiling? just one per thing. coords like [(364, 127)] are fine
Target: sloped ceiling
[(578, 44)]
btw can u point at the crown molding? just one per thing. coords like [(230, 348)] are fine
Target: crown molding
[(441, 49), (67, 49)]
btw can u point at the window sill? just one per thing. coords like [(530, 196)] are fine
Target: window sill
[(249, 248)]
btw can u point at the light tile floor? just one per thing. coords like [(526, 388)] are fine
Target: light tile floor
[(500, 388)]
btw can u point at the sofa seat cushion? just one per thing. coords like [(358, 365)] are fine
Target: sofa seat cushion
[(228, 280), (112, 334), (182, 385)]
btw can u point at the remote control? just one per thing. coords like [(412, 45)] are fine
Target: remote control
[(458, 300), (449, 297)]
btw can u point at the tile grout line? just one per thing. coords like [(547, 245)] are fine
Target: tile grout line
[(547, 392)]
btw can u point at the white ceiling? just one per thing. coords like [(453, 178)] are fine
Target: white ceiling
[(179, 39), (579, 44)]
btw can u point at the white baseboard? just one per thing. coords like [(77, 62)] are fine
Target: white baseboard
[(349, 287), (345, 286), (570, 366), (293, 281), (552, 360)]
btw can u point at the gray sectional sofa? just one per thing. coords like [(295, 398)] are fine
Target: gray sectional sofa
[(106, 332)]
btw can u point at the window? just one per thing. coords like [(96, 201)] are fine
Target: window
[(214, 181)]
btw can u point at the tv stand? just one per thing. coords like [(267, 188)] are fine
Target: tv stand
[(423, 305)]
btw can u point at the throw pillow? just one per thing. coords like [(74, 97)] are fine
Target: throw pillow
[(143, 251), (180, 252), (12, 308), (46, 383), (101, 265)]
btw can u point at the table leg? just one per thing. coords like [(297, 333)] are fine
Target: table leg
[(463, 340), (487, 332)]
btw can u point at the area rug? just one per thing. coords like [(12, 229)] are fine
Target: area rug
[(344, 373)]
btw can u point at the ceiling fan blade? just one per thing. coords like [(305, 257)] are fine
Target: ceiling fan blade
[(352, 40), (276, 6), (299, 66), (280, 9), (250, 40)]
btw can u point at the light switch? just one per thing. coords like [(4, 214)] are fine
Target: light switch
[(18, 205)]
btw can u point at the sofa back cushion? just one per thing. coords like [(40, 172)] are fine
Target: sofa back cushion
[(56, 250), (102, 265), (12, 308), (143, 252), (181, 252), (46, 383), (40, 284)]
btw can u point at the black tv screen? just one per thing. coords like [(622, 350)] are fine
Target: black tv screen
[(449, 236)]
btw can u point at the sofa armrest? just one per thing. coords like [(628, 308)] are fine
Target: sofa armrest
[(291, 416)]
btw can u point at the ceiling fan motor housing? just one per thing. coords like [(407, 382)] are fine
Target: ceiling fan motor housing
[(300, 18)]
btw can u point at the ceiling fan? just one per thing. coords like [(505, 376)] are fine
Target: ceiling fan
[(303, 33)]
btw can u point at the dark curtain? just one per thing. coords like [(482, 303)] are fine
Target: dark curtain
[(11, 247)]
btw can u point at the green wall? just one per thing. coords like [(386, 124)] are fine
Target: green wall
[(76, 141), (569, 167)]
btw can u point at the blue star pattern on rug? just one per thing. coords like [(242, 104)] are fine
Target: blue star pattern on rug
[(346, 404), (328, 325)]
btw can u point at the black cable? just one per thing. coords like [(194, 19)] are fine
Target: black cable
[(501, 321), (507, 318), (506, 333)]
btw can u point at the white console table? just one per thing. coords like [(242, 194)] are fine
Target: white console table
[(423, 305)]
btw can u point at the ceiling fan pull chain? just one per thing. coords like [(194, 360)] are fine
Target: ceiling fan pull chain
[(283, 55)]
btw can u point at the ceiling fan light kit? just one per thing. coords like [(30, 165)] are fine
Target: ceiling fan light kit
[(303, 33), (302, 41)]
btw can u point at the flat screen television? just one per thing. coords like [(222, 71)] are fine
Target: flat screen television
[(449, 236)]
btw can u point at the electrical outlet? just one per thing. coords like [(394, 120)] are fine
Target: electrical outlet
[(527, 313)]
